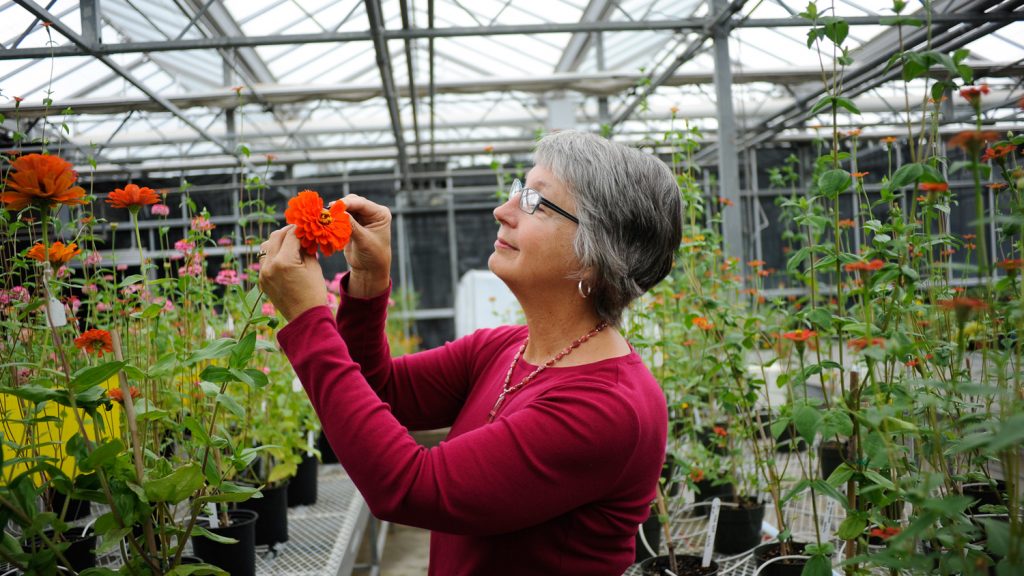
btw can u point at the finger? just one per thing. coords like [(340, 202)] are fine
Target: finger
[(360, 208), (273, 243), (290, 248)]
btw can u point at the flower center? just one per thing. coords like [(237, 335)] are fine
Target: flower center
[(325, 217)]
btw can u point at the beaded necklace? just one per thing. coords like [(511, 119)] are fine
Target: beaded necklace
[(507, 390)]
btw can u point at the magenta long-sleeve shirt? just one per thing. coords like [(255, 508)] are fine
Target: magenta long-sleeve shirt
[(557, 484)]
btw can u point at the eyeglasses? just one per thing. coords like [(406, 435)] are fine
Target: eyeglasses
[(530, 199)]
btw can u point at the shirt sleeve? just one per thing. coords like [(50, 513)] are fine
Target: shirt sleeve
[(425, 390), (567, 448)]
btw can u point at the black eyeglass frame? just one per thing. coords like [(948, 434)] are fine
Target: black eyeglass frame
[(522, 191)]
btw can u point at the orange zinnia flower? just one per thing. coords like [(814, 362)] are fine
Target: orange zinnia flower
[(696, 474), (888, 140), (755, 263), (95, 341), (800, 335), (117, 395), (853, 133), (42, 180), (933, 186), (973, 93), (871, 266), (860, 174), (703, 323), (884, 533), (847, 223), (972, 140), (132, 197), (720, 431), (58, 254), (1011, 264), (317, 227)]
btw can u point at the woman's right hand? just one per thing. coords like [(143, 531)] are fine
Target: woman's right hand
[(369, 251)]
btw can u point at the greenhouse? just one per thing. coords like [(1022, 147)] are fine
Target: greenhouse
[(617, 287)]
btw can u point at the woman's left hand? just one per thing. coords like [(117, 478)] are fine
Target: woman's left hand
[(292, 279)]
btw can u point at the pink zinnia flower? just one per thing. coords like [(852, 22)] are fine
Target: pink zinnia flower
[(255, 266), (93, 258), (184, 246), (228, 277), (103, 307), (268, 309), (224, 241), (191, 269), (122, 267), (202, 224), (90, 288), (160, 210)]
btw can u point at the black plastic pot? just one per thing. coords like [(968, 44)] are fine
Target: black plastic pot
[(706, 492), (739, 528), (77, 509), (302, 487), (327, 455), (81, 550), (985, 494), (789, 567), (687, 565), (272, 526), (831, 455), (237, 559), (651, 529)]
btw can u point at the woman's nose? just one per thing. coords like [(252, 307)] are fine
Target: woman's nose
[(507, 211)]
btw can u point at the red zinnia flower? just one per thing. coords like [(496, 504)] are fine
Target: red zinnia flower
[(95, 341), (720, 431), (58, 254), (862, 343), (696, 474), (316, 226), (1011, 264), (43, 180), (725, 201), (973, 93), (962, 303), (884, 533), (132, 197), (998, 152), (800, 335), (117, 395)]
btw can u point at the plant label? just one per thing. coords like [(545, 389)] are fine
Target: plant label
[(709, 540)]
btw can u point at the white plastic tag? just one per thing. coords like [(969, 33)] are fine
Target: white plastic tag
[(830, 513), (55, 311), (296, 384), (309, 443), (211, 509), (709, 541)]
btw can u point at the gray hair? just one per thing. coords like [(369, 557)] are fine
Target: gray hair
[(630, 214)]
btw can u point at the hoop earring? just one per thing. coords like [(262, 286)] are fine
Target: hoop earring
[(583, 294)]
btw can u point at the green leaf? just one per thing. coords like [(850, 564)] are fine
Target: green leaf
[(833, 182), (151, 311), (821, 104), (228, 492), (197, 569), (807, 420), (241, 352), (176, 486), (817, 566), (216, 374), (828, 490), (998, 534), (853, 526), (835, 423), (257, 377), (217, 349), (836, 30), (96, 375), (796, 490), (907, 174), (130, 280), (847, 105), (198, 530), (102, 455), (880, 480), (231, 405)]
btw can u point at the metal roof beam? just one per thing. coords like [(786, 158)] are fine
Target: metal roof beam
[(380, 44), (578, 45), (596, 83), (238, 41), (45, 15)]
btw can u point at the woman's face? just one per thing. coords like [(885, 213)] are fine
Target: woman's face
[(535, 250)]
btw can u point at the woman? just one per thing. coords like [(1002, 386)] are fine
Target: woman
[(557, 428)]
